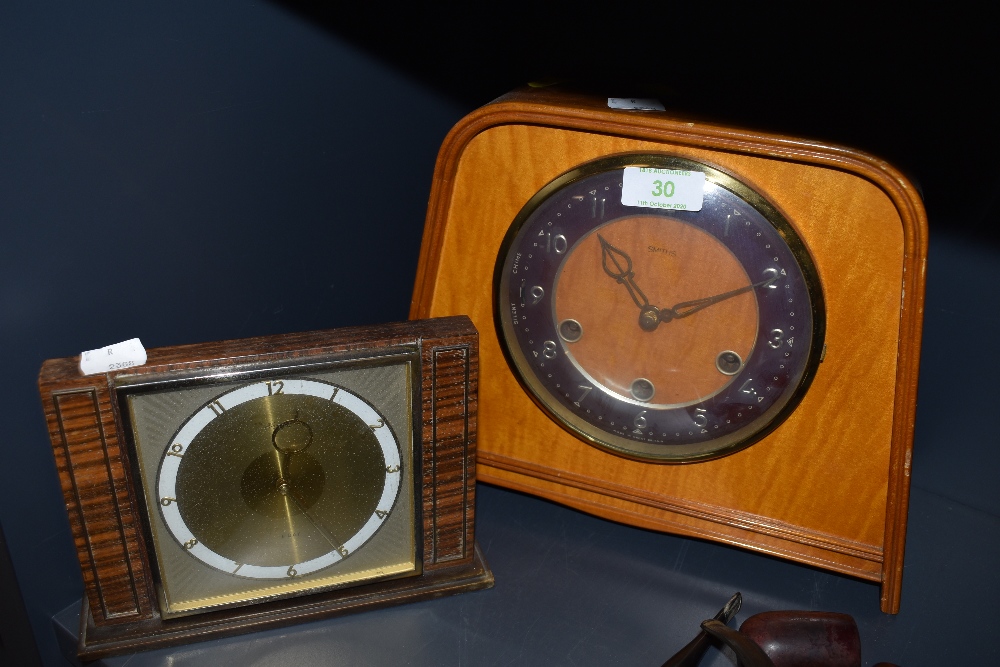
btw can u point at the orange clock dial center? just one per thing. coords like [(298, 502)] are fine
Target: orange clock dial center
[(671, 263)]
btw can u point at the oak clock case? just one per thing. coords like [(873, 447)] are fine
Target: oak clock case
[(667, 325), (228, 487), (725, 356)]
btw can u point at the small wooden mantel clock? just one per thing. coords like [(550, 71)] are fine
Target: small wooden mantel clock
[(228, 487), (688, 327)]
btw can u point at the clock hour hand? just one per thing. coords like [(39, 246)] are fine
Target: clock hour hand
[(621, 272), (686, 308), (618, 265)]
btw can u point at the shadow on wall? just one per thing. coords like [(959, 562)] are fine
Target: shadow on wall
[(890, 89)]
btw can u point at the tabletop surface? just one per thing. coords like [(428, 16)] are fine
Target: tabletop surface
[(572, 589)]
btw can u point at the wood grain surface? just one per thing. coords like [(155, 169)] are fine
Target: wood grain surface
[(829, 487), (104, 501)]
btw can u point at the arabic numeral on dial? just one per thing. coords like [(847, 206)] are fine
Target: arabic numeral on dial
[(549, 349), (537, 293), (700, 420), (380, 424), (177, 450), (190, 543), (557, 243), (275, 387), (640, 421), (597, 207), (770, 275), (586, 390), (291, 572), (750, 391), (166, 500), (391, 469), (776, 338), (343, 551)]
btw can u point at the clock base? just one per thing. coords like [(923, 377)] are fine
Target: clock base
[(99, 642)]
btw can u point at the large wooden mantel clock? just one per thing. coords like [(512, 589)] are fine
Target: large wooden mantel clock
[(687, 327)]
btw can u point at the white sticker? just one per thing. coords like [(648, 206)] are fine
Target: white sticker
[(635, 104), (113, 357), (663, 188)]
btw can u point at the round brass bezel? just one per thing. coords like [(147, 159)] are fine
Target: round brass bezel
[(650, 452)]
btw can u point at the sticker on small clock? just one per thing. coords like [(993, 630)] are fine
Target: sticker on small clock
[(674, 189), (113, 357)]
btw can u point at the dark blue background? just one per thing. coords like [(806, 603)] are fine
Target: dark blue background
[(198, 171)]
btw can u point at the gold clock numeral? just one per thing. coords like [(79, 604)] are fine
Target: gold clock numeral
[(381, 423), (217, 408), (176, 449), (238, 568), (381, 514), (166, 500), (334, 395), (343, 551), (190, 543), (275, 387), (291, 571), (392, 468)]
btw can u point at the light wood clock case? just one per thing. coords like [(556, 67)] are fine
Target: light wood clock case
[(743, 371), (234, 486)]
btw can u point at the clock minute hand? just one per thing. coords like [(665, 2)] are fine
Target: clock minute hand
[(289, 492), (686, 308)]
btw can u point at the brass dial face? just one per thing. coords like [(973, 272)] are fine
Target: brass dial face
[(280, 483), (666, 335), (302, 459)]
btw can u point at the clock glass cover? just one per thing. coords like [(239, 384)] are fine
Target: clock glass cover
[(660, 334), (277, 483)]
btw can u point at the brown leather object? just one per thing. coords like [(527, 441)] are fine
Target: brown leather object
[(806, 638)]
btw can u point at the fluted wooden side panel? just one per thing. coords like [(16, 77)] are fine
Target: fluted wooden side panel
[(104, 527), (450, 459)]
